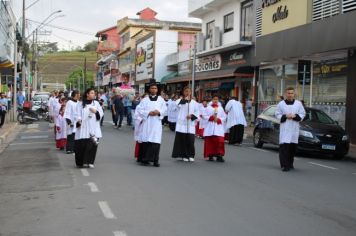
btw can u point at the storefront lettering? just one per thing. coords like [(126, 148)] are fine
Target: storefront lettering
[(267, 3), (280, 14), (236, 56), (208, 63)]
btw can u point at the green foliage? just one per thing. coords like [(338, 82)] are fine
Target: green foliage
[(75, 80), (91, 46)]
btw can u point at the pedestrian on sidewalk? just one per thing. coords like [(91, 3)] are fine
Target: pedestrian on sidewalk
[(151, 109), (290, 112), (236, 121), (188, 113), (71, 116), (88, 130), (61, 129), (214, 145), (4, 102)]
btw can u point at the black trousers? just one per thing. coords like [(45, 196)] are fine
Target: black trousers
[(85, 152), (286, 154), (172, 126), (236, 134), (2, 118), (119, 118), (149, 152), (183, 145), (70, 143)]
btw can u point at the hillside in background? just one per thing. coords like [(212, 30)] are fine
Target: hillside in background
[(56, 67)]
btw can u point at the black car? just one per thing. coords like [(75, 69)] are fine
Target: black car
[(318, 132)]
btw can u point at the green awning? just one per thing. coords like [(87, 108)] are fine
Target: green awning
[(169, 76)]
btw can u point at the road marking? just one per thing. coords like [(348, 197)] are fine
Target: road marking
[(261, 150), (33, 126), (328, 167), (297, 158), (354, 173), (34, 137), (85, 172), (120, 233), (104, 206), (93, 187), (15, 144)]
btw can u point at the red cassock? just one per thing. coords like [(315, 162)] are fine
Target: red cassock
[(199, 132), (214, 146), (61, 143), (137, 149)]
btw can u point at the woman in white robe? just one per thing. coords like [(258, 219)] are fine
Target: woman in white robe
[(236, 121), (290, 112), (88, 130), (151, 109), (185, 128)]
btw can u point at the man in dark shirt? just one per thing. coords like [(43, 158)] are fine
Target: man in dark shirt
[(118, 110)]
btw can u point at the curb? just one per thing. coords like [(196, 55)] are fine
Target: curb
[(4, 136)]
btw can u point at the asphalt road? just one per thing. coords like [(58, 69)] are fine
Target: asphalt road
[(42, 193)]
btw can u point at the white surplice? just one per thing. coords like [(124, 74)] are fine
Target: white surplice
[(61, 131), (183, 125), (235, 114), (289, 130), (202, 112), (151, 125), (212, 128), (172, 110), (71, 113), (90, 126)]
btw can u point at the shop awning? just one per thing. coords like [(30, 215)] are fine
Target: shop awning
[(227, 73), (168, 77)]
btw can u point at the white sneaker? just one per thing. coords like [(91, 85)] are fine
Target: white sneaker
[(185, 159), (91, 166), (191, 159)]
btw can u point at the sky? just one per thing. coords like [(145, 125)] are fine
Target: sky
[(91, 16)]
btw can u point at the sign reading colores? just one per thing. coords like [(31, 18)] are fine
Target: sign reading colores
[(209, 63)]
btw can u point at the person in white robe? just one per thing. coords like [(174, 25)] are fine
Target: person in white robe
[(172, 110), (151, 109), (202, 123), (214, 132), (188, 114), (290, 112), (88, 132), (61, 130), (236, 121), (71, 116)]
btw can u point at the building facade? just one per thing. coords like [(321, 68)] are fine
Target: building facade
[(224, 50), (310, 45)]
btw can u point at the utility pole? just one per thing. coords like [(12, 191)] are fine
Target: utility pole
[(85, 73), (14, 93), (193, 67), (23, 73)]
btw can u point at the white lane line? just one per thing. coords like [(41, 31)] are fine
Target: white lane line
[(15, 144), (85, 172), (35, 137), (120, 233), (104, 206), (33, 126), (93, 187), (354, 173), (328, 167), (261, 150)]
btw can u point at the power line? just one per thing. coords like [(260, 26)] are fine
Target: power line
[(64, 28)]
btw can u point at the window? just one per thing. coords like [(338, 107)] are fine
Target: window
[(270, 111), (247, 21), (210, 29), (229, 22), (124, 39)]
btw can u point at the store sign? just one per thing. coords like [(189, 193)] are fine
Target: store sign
[(330, 68), (236, 58), (281, 14), (209, 63), (185, 68), (144, 60), (267, 3)]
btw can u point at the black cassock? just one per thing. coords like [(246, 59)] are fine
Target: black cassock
[(236, 134), (184, 145), (149, 152)]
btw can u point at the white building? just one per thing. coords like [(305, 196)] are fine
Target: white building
[(224, 49)]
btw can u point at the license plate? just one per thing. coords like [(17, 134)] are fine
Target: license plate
[(328, 147)]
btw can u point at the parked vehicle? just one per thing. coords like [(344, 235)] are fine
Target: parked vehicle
[(27, 115), (38, 99), (318, 132)]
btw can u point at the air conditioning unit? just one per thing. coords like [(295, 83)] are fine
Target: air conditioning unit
[(200, 42)]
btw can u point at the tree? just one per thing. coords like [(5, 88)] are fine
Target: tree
[(75, 80), (91, 46)]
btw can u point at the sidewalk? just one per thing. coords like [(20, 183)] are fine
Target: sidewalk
[(6, 130)]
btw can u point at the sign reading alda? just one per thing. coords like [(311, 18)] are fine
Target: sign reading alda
[(209, 63)]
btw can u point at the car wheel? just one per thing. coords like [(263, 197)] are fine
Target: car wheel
[(257, 139), (20, 118)]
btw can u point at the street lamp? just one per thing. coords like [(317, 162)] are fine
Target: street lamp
[(81, 69)]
